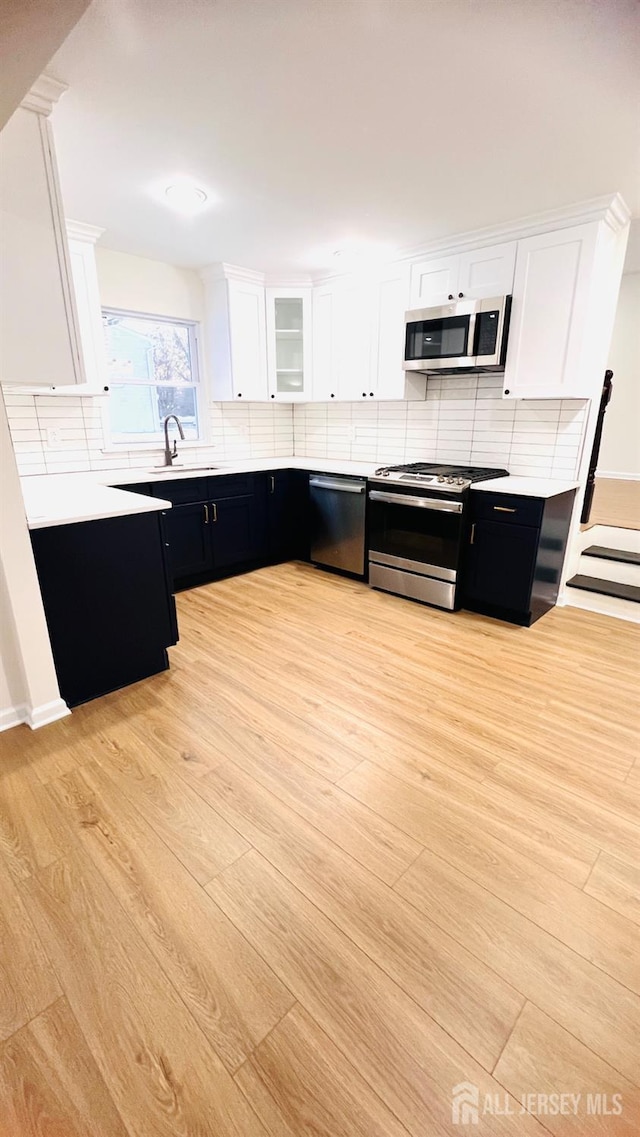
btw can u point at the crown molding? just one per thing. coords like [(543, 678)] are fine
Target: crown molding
[(301, 280), (44, 95), (610, 208), (222, 271), (81, 231)]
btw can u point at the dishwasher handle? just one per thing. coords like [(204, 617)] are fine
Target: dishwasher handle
[(337, 484)]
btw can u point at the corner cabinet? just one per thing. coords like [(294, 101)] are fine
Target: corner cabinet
[(36, 290), (108, 602), (288, 331), (235, 334)]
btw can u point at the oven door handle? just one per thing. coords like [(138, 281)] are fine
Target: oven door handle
[(417, 502)]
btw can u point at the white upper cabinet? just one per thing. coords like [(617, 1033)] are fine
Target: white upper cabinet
[(39, 340), (391, 302), (471, 275), (82, 257), (352, 310), (433, 282), (343, 339), (551, 295), (487, 272), (288, 322), (358, 338), (248, 340), (342, 328), (389, 379), (235, 334), (325, 382)]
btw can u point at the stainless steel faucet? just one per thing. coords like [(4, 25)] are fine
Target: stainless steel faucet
[(170, 454)]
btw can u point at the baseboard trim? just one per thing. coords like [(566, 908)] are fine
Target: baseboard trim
[(46, 713), (12, 716), (619, 477)]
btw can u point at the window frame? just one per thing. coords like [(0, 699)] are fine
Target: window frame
[(193, 329)]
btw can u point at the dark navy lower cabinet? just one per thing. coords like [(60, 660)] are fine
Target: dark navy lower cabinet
[(228, 524), (238, 534), (188, 539), (108, 602), (514, 557), (287, 515)]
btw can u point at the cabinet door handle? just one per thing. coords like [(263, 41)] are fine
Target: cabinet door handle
[(272, 483), (504, 509), (215, 511), (473, 534), (206, 514)]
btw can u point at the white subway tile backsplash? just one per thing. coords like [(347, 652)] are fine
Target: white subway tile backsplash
[(461, 420), (235, 432)]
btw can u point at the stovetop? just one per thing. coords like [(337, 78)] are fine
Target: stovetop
[(437, 475)]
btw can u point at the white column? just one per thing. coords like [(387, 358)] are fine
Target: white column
[(27, 671)]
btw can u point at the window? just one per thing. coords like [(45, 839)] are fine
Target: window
[(153, 372)]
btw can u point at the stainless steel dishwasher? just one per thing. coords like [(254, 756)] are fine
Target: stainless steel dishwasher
[(337, 522)]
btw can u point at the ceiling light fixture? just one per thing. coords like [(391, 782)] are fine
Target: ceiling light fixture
[(185, 197)]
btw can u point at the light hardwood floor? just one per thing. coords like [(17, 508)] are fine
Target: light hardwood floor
[(349, 853), (616, 502)]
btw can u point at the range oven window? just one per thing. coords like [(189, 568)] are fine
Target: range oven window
[(416, 534), (446, 338)]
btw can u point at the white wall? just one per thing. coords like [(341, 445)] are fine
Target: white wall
[(148, 286), (620, 451), (11, 677)]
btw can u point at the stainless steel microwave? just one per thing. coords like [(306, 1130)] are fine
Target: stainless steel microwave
[(466, 335)]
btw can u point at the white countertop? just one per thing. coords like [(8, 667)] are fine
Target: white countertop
[(71, 498), (526, 487), (64, 499), (326, 465)]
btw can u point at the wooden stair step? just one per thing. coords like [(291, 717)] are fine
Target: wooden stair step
[(606, 587), (625, 556)]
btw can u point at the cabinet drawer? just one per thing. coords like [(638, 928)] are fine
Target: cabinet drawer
[(507, 508), (230, 485), (183, 490)]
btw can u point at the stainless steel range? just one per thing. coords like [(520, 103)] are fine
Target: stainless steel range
[(417, 526)]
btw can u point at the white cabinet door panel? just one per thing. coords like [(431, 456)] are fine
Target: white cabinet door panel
[(325, 380), (487, 272), (248, 341), (38, 337), (352, 343), (550, 305), (392, 303), (433, 281)]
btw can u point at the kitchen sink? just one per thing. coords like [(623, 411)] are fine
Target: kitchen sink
[(180, 469)]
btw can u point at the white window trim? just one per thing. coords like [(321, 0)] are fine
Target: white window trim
[(202, 400)]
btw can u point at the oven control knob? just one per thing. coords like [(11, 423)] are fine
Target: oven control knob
[(460, 481), (441, 478)]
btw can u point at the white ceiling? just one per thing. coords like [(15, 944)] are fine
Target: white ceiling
[(316, 122)]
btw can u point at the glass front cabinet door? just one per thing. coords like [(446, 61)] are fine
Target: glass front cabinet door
[(289, 343)]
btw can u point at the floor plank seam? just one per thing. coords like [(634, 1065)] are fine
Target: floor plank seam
[(534, 923), (374, 963)]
